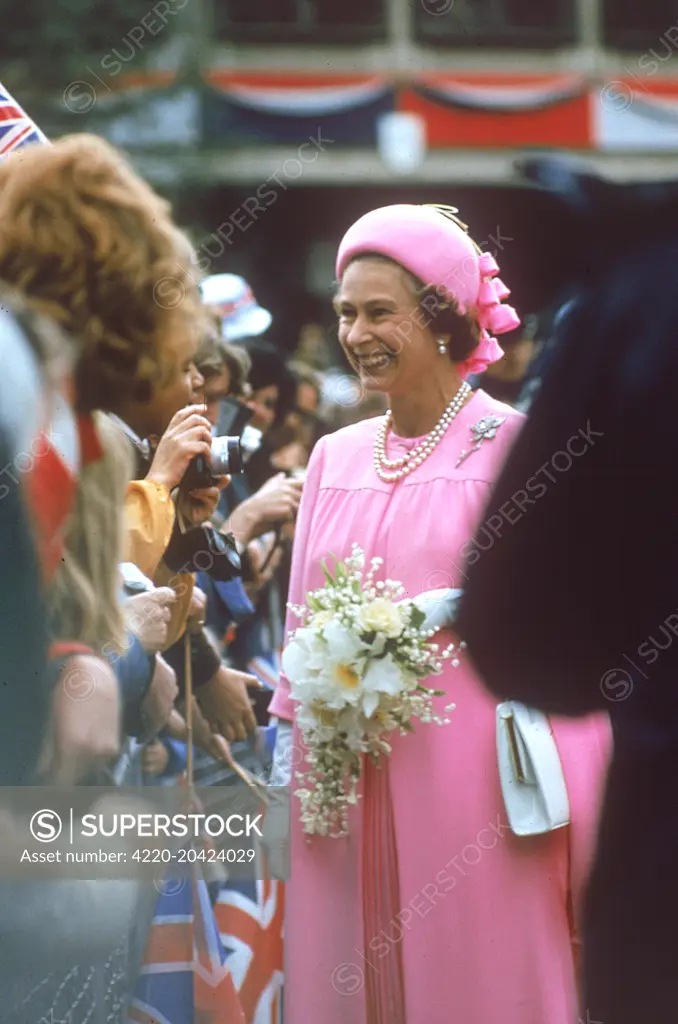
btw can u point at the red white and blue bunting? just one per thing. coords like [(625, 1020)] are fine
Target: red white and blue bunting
[(460, 111), (632, 115), (284, 112), (507, 97)]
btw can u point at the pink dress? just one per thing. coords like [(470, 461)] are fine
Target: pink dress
[(482, 923)]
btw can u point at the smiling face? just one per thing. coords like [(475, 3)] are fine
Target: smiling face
[(381, 328)]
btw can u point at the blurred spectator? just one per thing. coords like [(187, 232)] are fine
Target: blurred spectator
[(55, 937), (30, 350), (84, 598), (255, 514), (156, 538), (273, 385), (292, 443), (313, 348), (309, 387), (249, 513), (225, 369), (231, 301), (89, 243), (272, 398), (549, 329), (504, 379)]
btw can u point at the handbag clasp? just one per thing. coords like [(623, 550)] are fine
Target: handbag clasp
[(514, 749)]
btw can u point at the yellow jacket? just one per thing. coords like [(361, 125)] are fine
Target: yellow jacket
[(149, 521)]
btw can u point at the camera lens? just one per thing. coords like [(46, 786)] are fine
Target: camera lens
[(226, 456)]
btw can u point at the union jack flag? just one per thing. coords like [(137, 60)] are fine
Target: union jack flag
[(185, 978), (16, 127), (250, 918)]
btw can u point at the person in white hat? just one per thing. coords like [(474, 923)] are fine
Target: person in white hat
[(232, 300)]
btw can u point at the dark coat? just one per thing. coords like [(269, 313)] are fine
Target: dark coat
[(574, 606)]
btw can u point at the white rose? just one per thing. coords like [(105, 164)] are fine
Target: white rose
[(381, 616)]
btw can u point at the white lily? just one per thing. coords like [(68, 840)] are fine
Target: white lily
[(303, 656), (383, 676), (342, 644), (341, 684), (370, 703)]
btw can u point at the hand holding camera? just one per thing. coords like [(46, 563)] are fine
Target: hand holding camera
[(234, 441), (188, 437)]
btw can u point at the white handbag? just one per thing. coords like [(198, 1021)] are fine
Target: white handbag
[(530, 772)]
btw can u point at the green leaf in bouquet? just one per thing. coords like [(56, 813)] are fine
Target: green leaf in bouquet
[(417, 617), (407, 726), (326, 572)]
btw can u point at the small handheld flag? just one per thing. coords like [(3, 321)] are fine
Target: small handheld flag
[(16, 127)]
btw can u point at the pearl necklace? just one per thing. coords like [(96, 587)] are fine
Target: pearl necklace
[(390, 470)]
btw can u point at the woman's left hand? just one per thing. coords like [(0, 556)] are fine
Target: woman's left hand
[(199, 506)]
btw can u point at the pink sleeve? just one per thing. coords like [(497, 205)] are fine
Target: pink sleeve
[(281, 704)]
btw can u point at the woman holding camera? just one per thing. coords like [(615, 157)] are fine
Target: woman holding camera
[(430, 909)]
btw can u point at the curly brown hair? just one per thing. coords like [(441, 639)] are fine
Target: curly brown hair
[(90, 244)]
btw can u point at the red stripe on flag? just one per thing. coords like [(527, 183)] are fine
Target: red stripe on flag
[(170, 944), (267, 958), (10, 113), (234, 921), (14, 140), (220, 1005)]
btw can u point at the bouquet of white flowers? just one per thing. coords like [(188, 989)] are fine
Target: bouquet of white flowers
[(355, 668)]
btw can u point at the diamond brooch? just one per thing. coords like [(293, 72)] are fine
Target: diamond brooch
[(484, 430)]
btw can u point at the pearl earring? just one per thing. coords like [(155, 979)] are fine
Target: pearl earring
[(442, 347)]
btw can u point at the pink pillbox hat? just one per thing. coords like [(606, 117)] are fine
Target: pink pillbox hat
[(433, 245)]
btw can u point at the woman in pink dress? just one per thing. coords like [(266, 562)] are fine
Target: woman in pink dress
[(430, 911)]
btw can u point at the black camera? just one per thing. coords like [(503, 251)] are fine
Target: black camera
[(203, 549), (234, 442), (225, 458)]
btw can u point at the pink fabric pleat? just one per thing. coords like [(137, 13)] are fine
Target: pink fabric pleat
[(384, 978)]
